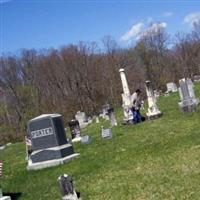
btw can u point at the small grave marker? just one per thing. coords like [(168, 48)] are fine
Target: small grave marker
[(106, 133), (86, 139), (67, 188)]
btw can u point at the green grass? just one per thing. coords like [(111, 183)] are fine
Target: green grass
[(153, 160)]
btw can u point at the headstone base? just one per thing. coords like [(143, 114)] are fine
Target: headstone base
[(155, 115), (127, 122), (188, 108), (70, 197), (50, 163), (85, 124), (5, 198), (76, 139)]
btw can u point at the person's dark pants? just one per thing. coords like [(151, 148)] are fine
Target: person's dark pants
[(137, 117)]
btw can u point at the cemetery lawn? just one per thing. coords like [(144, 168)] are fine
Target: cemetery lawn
[(157, 159)]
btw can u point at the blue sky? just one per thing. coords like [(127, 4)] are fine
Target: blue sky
[(46, 23)]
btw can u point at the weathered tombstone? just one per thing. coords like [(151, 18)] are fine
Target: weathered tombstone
[(188, 101), (86, 139), (126, 98), (5, 198), (156, 94), (106, 133), (196, 78), (97, 119), (2, 147), (75, 130), (67, 188), (153, 111), (171, 87), (81, 118), (112, 118), (142, 105), (49, 143), (104, 113)]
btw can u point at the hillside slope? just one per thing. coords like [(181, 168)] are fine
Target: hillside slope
[(153, 160)]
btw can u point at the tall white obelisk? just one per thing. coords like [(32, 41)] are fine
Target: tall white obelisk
[(126, 97), (153, 111)]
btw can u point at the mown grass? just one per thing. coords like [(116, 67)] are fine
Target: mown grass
[(153, 160)]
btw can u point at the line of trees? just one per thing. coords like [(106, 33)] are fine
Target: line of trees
[(84, 76)]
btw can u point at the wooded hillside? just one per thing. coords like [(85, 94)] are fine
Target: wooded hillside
[(85, 76)]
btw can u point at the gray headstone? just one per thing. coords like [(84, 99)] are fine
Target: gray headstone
[(67, 188), (188, 101), (49, 142), (112, 117), (153, 111), (106, 133), (86, 139), (81, 117), (196, 78), (171, 87)]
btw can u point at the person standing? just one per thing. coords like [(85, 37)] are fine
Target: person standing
[(135, 98)]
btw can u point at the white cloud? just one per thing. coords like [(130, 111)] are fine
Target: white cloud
[(142, 29), (154, 28), (133, 32), (4, 1), (167, 14), (192, 18)]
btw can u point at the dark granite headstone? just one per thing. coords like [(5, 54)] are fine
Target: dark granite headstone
[(48, 139)]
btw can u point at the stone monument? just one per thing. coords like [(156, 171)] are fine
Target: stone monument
[(171, 87), (86, 139), (97, 119), (126, 98), (104, 113), (188, 101), (49, 143), (75, 130), (106, 133), (82, 119), (67, 188), (153, 111), (112, 117), (156, 94), (196, 78)]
